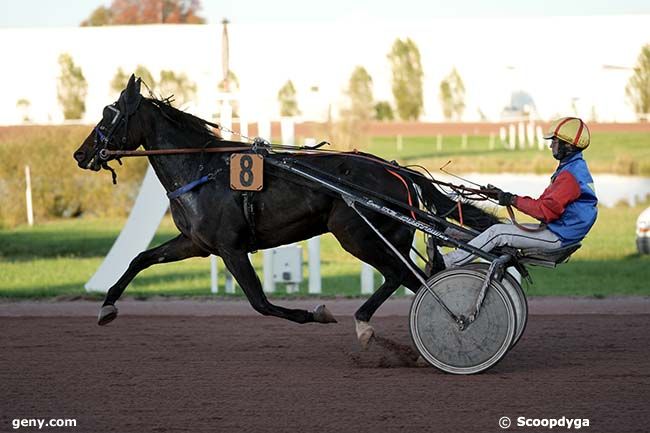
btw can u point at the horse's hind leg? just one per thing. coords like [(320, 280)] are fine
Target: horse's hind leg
[(394, 275), (176, 249), (240, 267), (359, 240), (365, 332)]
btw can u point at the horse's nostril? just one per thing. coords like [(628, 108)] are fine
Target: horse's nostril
[(79, 155)]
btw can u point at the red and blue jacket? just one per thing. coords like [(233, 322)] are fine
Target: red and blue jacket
[(569, 205)]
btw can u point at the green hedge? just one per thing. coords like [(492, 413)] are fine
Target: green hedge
[(60, 189)]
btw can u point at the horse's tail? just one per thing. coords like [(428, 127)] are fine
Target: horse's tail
[(439, 203)]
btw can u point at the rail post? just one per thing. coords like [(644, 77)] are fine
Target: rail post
[(214, 275), (530, 133), (367, 279), (540, 138), (512, 139), (313, 246), (521, 135), (28, 196)]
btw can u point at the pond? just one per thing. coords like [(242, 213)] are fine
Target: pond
[(610, 188)]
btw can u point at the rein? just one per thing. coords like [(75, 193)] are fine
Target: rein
[(106, 154), (237, 146), (475, 194), (511, 213), (487, 194)]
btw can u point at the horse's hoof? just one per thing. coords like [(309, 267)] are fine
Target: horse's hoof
[(323, 315), (107, 314), (365, 333)]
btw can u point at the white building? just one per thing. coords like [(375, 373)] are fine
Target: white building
[(559, 61)]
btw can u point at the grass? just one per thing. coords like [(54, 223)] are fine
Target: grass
[(57, 258), (620, 153), (607, 264)]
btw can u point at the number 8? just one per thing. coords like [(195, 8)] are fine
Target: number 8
[(246, 174)]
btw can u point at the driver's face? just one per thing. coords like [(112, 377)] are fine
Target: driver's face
[(555, 145)]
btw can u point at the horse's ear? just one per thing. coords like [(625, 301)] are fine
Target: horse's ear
[(133, 87), (132, 94)]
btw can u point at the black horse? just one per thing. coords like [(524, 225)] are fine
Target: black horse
[(212, 219)]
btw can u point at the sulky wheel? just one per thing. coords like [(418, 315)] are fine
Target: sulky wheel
[(515, 292), (442, 342)]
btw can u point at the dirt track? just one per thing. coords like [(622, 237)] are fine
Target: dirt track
[(258, 374)]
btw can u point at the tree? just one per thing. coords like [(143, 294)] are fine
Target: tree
[(406, 67), (178, 85), (383, 111), (287, 99), (146, 12), (71, 88), (452, 96), (170, 83), (637, 90), (360, 93), (118, 83), (350, 130), (230, 84), (147, 77), (23, 106), (102, 16)]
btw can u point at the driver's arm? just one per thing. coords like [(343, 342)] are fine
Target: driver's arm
[(551, 204)]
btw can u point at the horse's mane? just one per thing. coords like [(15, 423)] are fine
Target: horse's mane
[(186, 121)]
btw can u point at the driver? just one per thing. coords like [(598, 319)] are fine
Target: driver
[(567, 208)]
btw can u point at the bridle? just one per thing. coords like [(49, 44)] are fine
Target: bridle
[(105, 139), (105, 135)]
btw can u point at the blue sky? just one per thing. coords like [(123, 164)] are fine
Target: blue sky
[(55, 13)]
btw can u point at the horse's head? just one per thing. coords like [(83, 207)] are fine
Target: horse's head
[(112, 132)]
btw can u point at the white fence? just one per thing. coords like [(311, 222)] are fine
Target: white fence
[(522, 135)]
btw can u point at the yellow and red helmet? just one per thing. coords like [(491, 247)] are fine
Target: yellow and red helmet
[(570, 129)]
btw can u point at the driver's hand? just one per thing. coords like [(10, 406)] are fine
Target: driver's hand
[(506, 198), (491, 191)]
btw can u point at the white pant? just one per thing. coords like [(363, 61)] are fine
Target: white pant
[(504, 235)]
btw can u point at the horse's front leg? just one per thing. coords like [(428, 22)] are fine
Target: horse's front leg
[(179, 248), (241, 268)]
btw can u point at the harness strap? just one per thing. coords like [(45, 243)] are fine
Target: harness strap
[(189, 187), (408, 192), (249, 216)]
